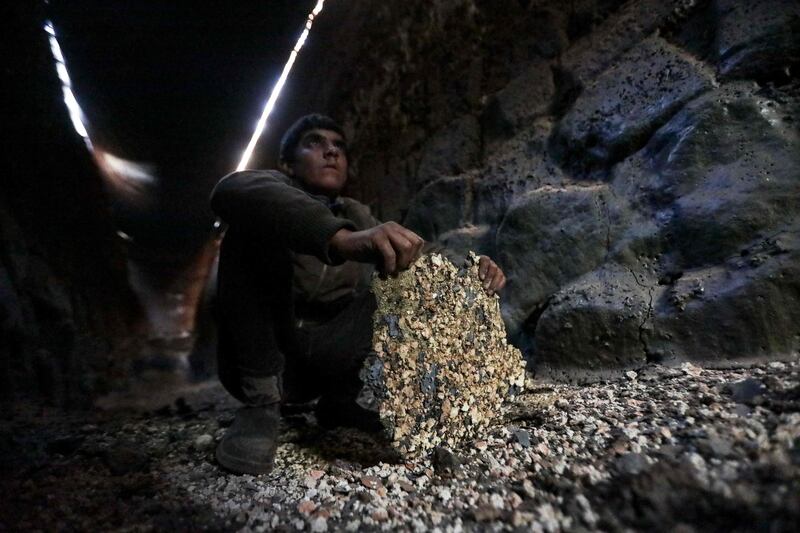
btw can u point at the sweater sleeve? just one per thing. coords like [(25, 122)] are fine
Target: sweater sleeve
[(265, 204)]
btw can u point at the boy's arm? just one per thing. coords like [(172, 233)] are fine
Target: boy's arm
[(265, 204)]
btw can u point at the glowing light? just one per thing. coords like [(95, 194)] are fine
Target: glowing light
[(75, 112), (130, 170), (129, 179), (262, 122)]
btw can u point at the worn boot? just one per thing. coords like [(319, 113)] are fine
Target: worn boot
[(249, 445)]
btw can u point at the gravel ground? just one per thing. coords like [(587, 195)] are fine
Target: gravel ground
[(663, 448)]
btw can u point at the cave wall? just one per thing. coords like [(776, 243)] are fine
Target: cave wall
[(66, 310), (633, 166)]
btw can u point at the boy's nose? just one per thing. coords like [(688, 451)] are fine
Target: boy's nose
[(332, 149)]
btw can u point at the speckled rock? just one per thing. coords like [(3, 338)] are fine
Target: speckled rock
[(594, 53), (525, 98), (751, 301), (618, 111), (443, 367), (550, 237), (450, 151), (513, 166), (439, 207), (596, 323), (711, 200), (757, 39)]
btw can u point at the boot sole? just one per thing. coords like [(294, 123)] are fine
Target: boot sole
[(238, 465)]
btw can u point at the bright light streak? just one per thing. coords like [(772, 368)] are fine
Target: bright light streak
[(130, 170), (75, 112), (55, 48), (75, 115), (63, 75), (262, 122)]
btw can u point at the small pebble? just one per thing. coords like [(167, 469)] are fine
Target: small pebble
[(611, 444), (371, 482)]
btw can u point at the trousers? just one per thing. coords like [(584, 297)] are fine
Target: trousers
[(267, 354)]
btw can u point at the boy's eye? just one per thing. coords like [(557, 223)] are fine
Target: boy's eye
[(318, 142)]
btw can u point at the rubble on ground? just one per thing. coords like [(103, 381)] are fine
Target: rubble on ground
[(659, 448)]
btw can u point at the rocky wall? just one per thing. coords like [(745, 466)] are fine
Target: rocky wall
[(66, 309), (633, 166)]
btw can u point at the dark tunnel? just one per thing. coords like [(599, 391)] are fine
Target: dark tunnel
[(631, 168)]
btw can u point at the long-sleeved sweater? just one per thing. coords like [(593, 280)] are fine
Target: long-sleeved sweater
[(268, 214)]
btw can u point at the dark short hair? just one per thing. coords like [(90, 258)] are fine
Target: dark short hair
[(296, 131)]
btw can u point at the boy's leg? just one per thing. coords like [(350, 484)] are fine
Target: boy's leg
[(336, 351), (255, 330)]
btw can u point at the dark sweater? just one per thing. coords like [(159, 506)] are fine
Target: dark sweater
[(268, 214)]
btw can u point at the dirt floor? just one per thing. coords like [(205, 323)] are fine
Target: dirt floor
[(662, 448)]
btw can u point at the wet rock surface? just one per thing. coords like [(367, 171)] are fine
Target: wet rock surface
[(659, 448)]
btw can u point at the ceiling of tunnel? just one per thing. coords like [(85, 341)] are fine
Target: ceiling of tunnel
[(175, 86), (175, 82)]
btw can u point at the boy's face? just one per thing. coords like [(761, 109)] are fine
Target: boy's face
[(320, 162)]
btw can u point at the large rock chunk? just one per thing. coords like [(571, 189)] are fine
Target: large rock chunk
[(747, 308), (514, 166), (443, 367), (457, 244), (524, 155), (525, 98), (596, 323), (616, 114), (757, 40), (594, 53), (551, 236), (721, 172), (440, 207)]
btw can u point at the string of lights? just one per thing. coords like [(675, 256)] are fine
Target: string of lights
[(77, 116), (117, 166), (276, 90), (74, 109)]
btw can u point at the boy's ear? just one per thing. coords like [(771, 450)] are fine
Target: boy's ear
[(286, 168)]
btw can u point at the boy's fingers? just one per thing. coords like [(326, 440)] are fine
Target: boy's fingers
[(389, 257)]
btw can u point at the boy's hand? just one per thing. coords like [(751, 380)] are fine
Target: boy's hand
[(491, 275), (390, 246)]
